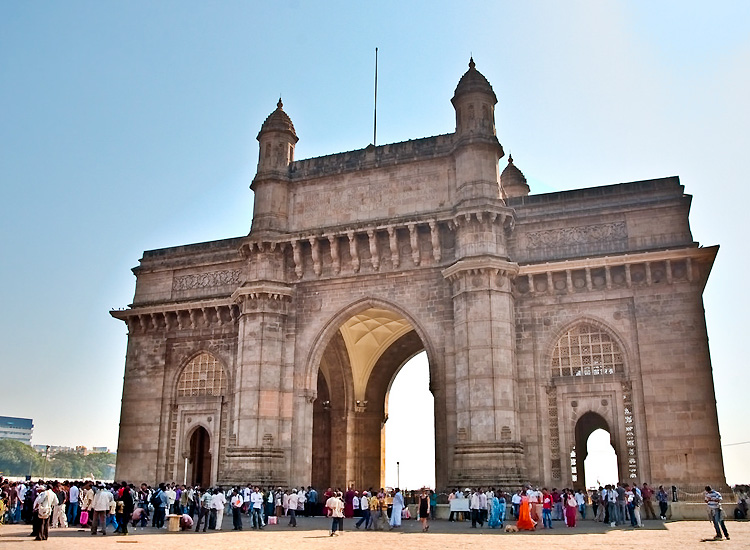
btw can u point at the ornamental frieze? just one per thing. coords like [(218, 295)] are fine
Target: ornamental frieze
[(585, 234), (206, 280)]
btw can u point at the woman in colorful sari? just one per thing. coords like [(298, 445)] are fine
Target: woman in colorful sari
[(525, 523), (497, 511)]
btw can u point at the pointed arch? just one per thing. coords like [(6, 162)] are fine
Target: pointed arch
[(585, 347), (334, 324), (202, 375)]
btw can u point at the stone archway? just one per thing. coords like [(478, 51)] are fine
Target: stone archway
[(587, 424), (350, 412), (200, 457)]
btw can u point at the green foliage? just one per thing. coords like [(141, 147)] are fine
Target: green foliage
[(18, 459)]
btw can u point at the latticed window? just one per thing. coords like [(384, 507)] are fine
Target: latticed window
[(586, 350), (202, 376)]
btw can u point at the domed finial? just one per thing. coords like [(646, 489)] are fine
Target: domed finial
[(279, 104), (471, 62), (510, 159)]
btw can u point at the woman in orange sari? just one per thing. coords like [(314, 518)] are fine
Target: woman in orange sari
[(525, 523)]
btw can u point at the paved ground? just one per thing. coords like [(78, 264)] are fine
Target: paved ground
[(313, 534)]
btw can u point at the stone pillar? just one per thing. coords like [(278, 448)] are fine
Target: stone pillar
[(488, 448), (263, 387)]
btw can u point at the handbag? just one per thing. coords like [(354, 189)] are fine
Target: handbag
[(84, 517)]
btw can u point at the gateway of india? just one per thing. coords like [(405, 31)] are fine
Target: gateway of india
[(268, 358)]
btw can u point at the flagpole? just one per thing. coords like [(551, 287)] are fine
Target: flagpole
[(375, 115)]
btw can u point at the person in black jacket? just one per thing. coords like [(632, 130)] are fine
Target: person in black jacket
[(125, 507)]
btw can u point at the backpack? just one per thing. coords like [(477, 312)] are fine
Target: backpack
[(156, 499), (636, 499)]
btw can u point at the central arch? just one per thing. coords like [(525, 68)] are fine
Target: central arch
[(369, 345)]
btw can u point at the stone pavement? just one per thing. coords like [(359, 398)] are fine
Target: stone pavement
[(313, 533)]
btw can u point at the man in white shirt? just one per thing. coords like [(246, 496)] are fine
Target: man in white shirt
[(218, 501), (73, 504), (476, 514), (100, 506), (292, 502), (364, 506), (172, 497), (237, 502), (256, 500)]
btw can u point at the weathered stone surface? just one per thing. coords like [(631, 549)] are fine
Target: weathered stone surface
[(543, 317)]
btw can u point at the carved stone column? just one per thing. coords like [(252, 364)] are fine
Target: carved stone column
[(263, 386), (488, 448)]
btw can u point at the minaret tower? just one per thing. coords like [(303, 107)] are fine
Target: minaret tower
[(477, 149), (277, 141)]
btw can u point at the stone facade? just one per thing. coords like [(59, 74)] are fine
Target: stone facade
[(268, 358)]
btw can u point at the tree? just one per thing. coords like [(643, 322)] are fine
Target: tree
[(19, 459)]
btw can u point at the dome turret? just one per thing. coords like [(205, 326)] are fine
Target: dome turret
[(473, 81), (474, 102), (512, 181), (277, 140), (278, 121)]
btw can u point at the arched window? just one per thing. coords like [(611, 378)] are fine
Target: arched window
[(586, 350), (203, 375)]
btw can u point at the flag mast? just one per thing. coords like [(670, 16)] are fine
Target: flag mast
[(375, 115)]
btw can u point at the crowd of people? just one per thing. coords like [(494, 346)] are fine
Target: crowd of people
[(98, 506)]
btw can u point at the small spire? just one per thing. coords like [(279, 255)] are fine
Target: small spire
[(279, 104), (471, 62), (510, 158)]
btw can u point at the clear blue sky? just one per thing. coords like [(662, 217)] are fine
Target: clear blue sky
[(127, 126)]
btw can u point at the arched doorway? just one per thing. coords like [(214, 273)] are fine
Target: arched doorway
[(587, 424), (349, 413), (200, 457), (600, 466)]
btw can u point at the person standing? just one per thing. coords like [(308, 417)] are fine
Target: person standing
[(125, 496), (59, 519), (204, 510), (715, 512), (237, 502), (336, 506), (293, 502), (218, 502), (73, 504), (256, 501), (101, 504), (546, 509), (398, 506), (476, 512), (44, 503), (663, 499), (424, 509), (647, 494), (364, 506)]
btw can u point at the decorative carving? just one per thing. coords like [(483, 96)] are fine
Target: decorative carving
[(206, 280), (630, 435), (567, 236), (554, 432)]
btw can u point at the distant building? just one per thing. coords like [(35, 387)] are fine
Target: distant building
[(100, 449), (16, 428)]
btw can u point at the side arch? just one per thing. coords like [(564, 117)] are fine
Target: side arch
[(549, 346)]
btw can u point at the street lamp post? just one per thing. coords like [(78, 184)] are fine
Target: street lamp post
[(398, 474), (46, 457)]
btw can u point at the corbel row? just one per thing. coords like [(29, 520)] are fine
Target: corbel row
[(350, 237), (623, 271), (190, 317)]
